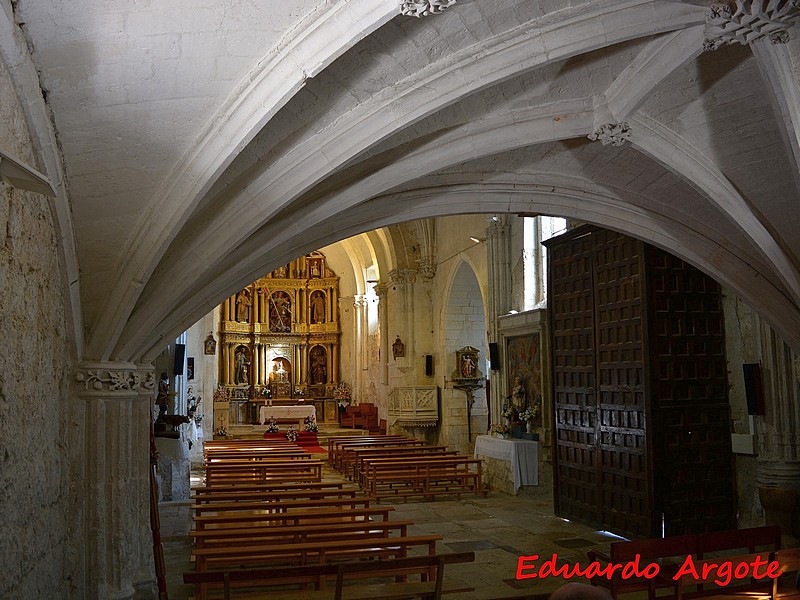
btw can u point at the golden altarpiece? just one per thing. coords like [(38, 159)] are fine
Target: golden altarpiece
[(279, 341)]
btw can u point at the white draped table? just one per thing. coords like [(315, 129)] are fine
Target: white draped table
[(522, 454), (297, 413)]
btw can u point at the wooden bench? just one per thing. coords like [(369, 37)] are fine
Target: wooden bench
[(214, 496), (348, 578), (294, 533), (360, 459), (318, 515), (350, 455), (710, 583), (269, 486), (338, 445), (278, 505), (292, 470), (422, 476), (670, 552), (314, 552)]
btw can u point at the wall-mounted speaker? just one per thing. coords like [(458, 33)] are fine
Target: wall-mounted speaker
[(428, 365), (494, 356), (753, 388), (180, 353)]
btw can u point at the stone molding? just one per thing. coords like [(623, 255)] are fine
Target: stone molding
[(423, 8), (745, 21), (403, 276), (427, 269), (113, 378), (381, 290), (610, 133)]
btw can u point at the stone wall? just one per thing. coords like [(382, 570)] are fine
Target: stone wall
[(40, 496)]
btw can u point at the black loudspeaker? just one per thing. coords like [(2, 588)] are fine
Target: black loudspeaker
[(180, 353), (428, 365), (494, 356), (753, 388)]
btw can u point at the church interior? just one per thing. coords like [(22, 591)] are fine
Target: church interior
[(563, 225)]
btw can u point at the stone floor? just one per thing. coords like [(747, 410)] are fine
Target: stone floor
[(498, 528)]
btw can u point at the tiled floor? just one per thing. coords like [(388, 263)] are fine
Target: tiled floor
[(498, 528)]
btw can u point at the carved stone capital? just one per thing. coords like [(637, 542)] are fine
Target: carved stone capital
[(427, 269), (614, 134), (113, 379), (403, 276), (423, 8), (744, 21), (381, 290)]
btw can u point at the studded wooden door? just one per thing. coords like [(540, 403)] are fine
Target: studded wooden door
[(642, 438), (694, 465), (624, 478), (572, 325)]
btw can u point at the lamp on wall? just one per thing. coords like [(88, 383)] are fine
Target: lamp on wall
[(17, 174), (478, 240)]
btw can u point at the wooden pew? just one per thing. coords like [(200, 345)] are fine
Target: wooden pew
[(671, 551), (703, 583), (324, 514), (789, 561), (283, 470), (361, 458), (296, 533), (348, 576), (422, 476), (278, 505), (269, 486), (214, 496), (314, 552)]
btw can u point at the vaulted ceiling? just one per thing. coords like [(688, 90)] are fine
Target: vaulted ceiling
[(202, 143)]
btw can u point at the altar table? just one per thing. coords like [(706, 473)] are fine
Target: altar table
[(522, 454), (297, 413)]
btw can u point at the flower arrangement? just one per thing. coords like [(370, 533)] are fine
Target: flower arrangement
[(342, 392), (500, 429), (292, 434), (272, 426), (529, 413), (508, 411), (198, 419), (221, 432), (299, 392), (311, 424)]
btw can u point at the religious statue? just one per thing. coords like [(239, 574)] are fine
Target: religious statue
[(319, 366), (518, 394), (318, 308), (243, 304), (162, 396), (280, 313), (210, 345), (468, 366), (398, 348), (241, 365)]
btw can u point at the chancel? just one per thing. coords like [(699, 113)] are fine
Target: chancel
[(531, 266)]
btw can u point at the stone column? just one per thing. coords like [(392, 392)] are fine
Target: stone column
[(403, 282), (361, 343), (498, 248), (778, 439), (118, 398), (382, 291)]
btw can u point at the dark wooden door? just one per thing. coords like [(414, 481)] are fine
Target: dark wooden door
[(642, 438), (573, 360), (624, 478), (694, 464)]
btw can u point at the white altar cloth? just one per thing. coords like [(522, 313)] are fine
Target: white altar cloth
[(298, 413), (522, 454)]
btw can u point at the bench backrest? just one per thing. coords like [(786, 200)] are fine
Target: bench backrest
[(318, 573), (750, 540)]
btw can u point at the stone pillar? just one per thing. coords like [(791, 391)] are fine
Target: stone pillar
[(382, 291), (403, 283), (498, 248), (778, 439), (118, 398)]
